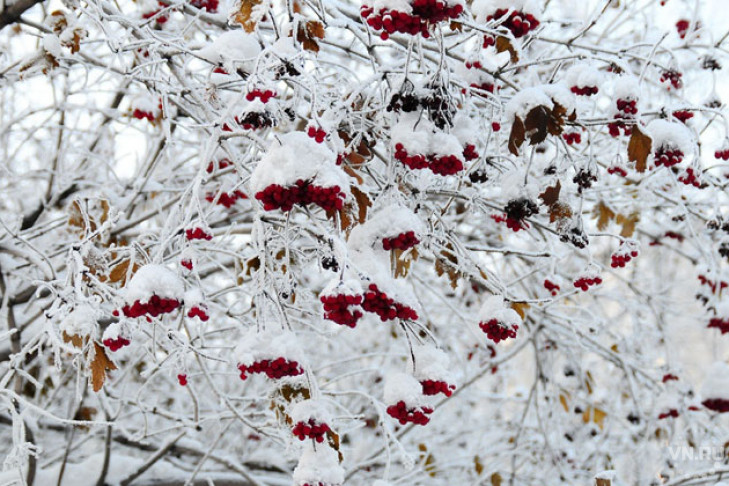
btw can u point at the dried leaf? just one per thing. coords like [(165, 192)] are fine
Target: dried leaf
[(520, 308), (402, 263), (595, 415), (536, 124), (602, 482), (496, 479), (628, 223), (307, 32), (503, 44), (559, 211), (248, 15), (99, 366), (551, 194), (477, 465), (76, 340), (363, 203), (517, 136), (251, 265), (639, 148), (604, 214), (352, 173), (563, 397), (120, 272)]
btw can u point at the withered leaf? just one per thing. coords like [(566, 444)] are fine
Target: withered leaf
[(121, 271), (517, 136), (595, 415), (496, 479), (307, 32), (537, 124), (503, 44), (604, 214), (559, 211), (363, 203), (520, 308), (248, 15), (477, 465), (76, 340), (628, 223), (639, 148), (100, 364), (551, 194), (402, 263)]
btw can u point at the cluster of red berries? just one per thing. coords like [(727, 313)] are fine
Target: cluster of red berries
[(404, 414), (317, 134), (571, 138), (617, 170), (720, 405), (585, 283), (197, 234), (199, 312), (668, 156), (273, 368), (403, 241), (226, 199), (669, 377), (712, 284), (719, 323), (672, 76), (263, 95), (160, 19), (209, 5), (511, 223), (141, 115), (311, 429), (441, 165), (469, 152), (182, 379), (379, 303), (154, 307), (584, 90), (302, 193), (255, 121), (433, 387), (219, 165), (484, 86), (552, 287), (627, 109), (671, 413), (116, 344), (621, 257), (337, 308), (683, 115), (424, 14), (519, 23), (497, 331), (690, 178), (187, 263), (722, 154)]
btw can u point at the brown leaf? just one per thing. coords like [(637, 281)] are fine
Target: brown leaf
[(551, 194), (628, 223), (353, 173), (85, 413), (602, 482), (76, 340), (363, 203), (121, 272), (517, 136), (536, 124), (503, 44), (496, 479), (563, 397), (307, 32), (402, 263), (99, 366), (639, 148), (245, 15), (595, 415), (559, 211), (604, 214), (520, 308), (555, 124), (477, 465), (252, 264)]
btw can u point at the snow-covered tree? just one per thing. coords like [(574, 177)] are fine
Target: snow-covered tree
[(404, 242)]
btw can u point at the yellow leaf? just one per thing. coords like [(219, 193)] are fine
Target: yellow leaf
[(594, 415), (520, 308), (247, 15), (563, 397)]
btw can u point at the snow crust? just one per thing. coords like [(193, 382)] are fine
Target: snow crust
[(319, 465), (151, 280)]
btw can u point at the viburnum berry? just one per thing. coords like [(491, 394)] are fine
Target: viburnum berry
[(182, 379), (403, 241), (552, 287), (413, 162), (584, 90), (572, 138), (405, 414), (317, 134), (517, 210), (488, 41), (141, 115), (714, 285), (720, 405), (585, 283), (226, 199), (379, 303), (116, 344), (311, 429), (512, 224), (495, 126), (197, 234), (302, 193), (498, 331), (673, 77), (617, 170), (405, 102), (218, 165), (627, 106), (424, 14), (342, 308), (264, 96), (209, 5), (669, 377), (690, 178), (670, 413), (433, 387), (445, 165), (668, 156), (519, 23), (158, 18), (485, 86), (187, 263), (273, 368), (683, 115), (623, 255), (155, 306), (199, 312), (722, 154), (255, 121), (469, 152), (478, 176), (719, 323)]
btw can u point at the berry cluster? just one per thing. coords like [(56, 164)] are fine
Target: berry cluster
[(378, 302), (488, 41), (441, 165), (617, 170), (116, 344), (403, 241), (160, 19), (719, 323), (255, 121), (469, 152), (552, 287), (263, 95), (199, 312), (484, 86), (671, 413), (478, 176), (668, 156), (219, 165), (585, 283), (141, 115), (302, 193), (673, 77), (722, 154), (519, 23), (720, 405), (226, 199), (154, 307), (512, 224), (424, 14), (712, 284), (197, 234), (517, 210), (683, 115), (274, 369), (311, 429), (187, 263), (622, 256), (209, 5), (572, 138), (433, 387), (182, 379), (330, 263), (406, 102), (584, 90), (317, 134), (497, 331), (627, 109), (404, 414), (690, 178), (338, 308), (584, 179)]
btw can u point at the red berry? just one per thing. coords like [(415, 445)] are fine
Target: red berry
[(182, 379)]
